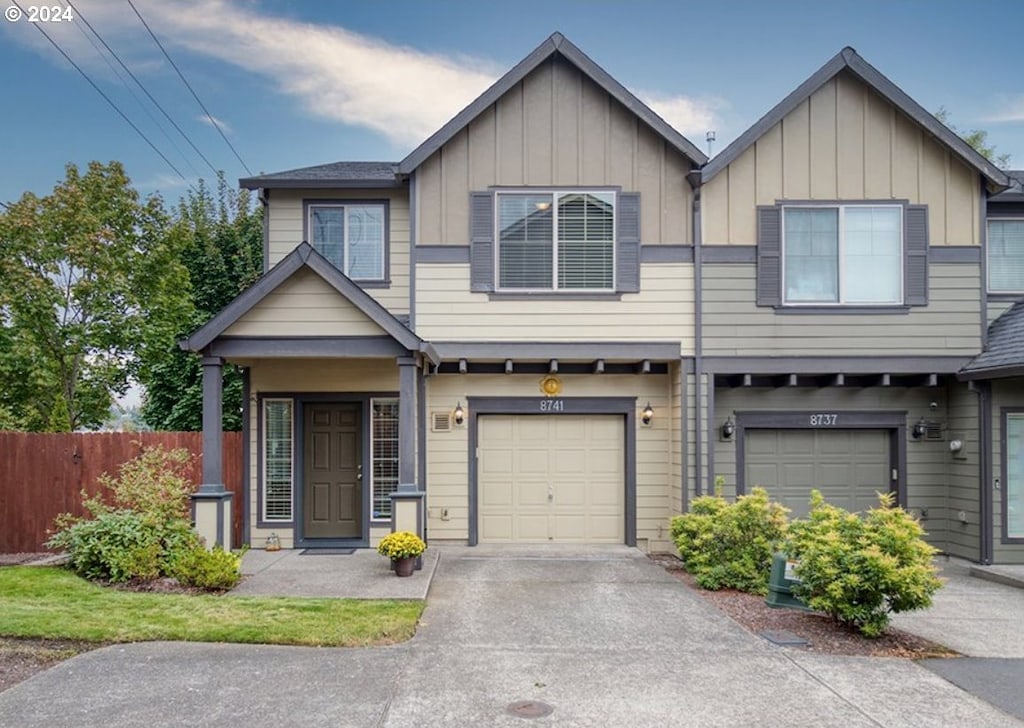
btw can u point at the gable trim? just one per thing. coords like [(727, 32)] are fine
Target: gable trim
[(555, 44), (848, 58), (304, 256)]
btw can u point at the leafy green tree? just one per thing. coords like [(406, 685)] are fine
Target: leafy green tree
[(223, 256), (978, 139), (90, 289)]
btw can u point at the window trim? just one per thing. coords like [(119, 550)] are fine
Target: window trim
[(555, 192), (384, 203), (1013, 293), (1005, 414), (262, 520), (373, 479), (841, 208)]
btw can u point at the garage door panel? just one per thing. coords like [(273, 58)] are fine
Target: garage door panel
[(765, 475), (796, 442), (578, 459)]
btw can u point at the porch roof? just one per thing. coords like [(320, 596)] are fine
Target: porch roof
[(1004, 351)]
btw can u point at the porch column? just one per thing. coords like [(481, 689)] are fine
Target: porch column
[(407, 502), (211, 504)]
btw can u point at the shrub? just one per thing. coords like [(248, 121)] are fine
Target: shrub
[(860, 568), (401, 545), (217, 569), (155, 483), (117, 545), (730, 545)]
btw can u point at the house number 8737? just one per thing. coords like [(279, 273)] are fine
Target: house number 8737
[(824, 420)]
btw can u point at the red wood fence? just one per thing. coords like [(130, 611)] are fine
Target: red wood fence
[(42, 475)]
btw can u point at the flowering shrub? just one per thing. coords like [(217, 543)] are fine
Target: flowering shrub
[(401, 545)]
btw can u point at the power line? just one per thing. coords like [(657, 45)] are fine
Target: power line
[(189, 87), (139, 83), (115, 107)]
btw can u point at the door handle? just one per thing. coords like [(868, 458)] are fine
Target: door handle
[(359, 472)]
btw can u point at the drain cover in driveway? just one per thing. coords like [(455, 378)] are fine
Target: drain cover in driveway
[(784, 638), (529, 709)]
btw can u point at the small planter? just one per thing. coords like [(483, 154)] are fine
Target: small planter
[(404, 567)]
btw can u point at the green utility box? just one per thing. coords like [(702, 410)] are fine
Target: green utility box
[(780, 592)]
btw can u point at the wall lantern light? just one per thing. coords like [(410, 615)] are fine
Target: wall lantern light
[(459, 414), (728, 429), (647, 414)]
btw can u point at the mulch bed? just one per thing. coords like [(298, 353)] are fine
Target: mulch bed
[(824, 635)]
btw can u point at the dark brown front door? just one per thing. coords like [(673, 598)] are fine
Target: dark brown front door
[(333, 488)]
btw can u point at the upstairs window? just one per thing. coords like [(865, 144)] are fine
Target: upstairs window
[(1006, 256), (556, 241), (351, 236), (842, 254)]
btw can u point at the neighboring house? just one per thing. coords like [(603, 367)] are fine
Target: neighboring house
[(556, 321)]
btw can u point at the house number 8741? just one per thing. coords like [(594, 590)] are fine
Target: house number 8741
[(552, 405), (824, 420)]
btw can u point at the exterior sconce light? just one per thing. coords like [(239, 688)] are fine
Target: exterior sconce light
[(459, 414), (956, 446), (647, 414), (728, 429), (920, 429)]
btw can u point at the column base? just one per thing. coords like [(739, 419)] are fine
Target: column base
[(211, 515)]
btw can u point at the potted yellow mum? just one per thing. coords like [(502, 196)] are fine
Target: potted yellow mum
[(403, 548)]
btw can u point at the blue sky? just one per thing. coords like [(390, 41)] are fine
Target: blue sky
[(301, 83)]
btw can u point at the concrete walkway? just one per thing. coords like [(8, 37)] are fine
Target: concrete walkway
[(601, 637)]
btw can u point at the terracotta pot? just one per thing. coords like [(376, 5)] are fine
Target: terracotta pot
[(404, 567)]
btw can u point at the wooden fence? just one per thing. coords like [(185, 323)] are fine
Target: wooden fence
[(42, 475)]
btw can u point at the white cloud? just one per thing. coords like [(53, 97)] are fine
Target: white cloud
[(1011, 110), (214, 122), (691, 116)]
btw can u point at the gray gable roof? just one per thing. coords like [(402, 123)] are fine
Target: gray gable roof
[(556, 44), (848, 59), (1015, 192), (304, 256), (336, 174), (1004, 350)]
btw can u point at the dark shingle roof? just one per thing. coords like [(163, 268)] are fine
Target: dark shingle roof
[(336, 174), (1015, 192), (1004, 351)]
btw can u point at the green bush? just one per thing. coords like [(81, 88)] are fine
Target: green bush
[(155, 483), (118, 545), (861, 568), (730, 545), (217, 569)]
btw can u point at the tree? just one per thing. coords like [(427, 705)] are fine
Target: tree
[(977, 138), (223, 256), (90, 289)]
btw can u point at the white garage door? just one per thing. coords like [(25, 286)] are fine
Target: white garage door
[(544, 479), (848, 466)]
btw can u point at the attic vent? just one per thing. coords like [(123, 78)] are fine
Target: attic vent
[(441, 421), (933, 431)]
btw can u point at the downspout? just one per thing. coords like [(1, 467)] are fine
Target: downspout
[(985, 444), (264, 198), (694, 178)]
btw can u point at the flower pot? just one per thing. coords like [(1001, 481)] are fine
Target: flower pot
[(404, 567)]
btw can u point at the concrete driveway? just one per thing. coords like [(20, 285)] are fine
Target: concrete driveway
[(602, 636)]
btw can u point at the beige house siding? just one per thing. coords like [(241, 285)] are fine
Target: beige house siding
[(554, 128), (447, 452), (273, 377), (286, 224), (845, 142), (662, 311), (927, 461), (734, 326), (304, 305), (963, 536), (1005, 393)]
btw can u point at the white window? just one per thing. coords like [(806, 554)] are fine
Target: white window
[(556, 241), (1014, 493), (278, 455), (1006, 256), (384, 455), (843, 254), (351, 236)]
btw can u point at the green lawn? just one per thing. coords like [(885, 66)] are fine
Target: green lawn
[(39, 601)]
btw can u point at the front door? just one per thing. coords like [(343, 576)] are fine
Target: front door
[(333, 484)]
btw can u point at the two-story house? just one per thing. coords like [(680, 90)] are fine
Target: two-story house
[(556, 321)]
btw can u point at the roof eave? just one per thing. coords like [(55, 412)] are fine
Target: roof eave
[(255, 183)]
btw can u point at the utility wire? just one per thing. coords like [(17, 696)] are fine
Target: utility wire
[(78, 14), (115, 107), (189, 87), (120, 77)]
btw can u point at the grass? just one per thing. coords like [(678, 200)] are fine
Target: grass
[(52, 603)]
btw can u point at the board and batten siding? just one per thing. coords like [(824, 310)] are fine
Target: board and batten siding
[(844, 142), (270, 377), (1005, 393), (304, 305), (447, 452), (285, 230), (554, 128), (928, 461), (734, 326), (662, 311), (963, 535)]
